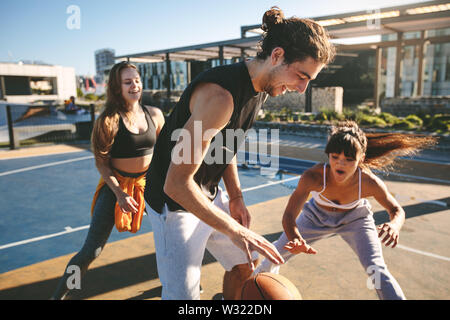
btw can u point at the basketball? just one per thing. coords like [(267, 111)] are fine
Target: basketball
[(269, 286)]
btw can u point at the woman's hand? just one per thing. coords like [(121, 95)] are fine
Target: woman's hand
[(392, 232), (127, 203), (298, 245)]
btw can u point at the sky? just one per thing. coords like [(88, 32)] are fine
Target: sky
[(38, 29)]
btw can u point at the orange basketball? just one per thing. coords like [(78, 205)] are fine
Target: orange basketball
[(269, 286)]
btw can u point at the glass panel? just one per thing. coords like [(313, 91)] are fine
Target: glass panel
[(43, 86), (409, 71), (436, 80), (438, 32), (17, 85), (411, 35), (386, 76), (389, 37)]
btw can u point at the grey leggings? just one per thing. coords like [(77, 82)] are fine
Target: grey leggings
[(357, 228), (100, 228)]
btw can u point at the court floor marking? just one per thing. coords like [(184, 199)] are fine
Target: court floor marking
[(50, 164), (390, 173), (423, 252), (52, 235), (70, 230), (314, 145)]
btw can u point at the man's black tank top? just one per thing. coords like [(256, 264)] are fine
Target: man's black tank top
[(247, 102)]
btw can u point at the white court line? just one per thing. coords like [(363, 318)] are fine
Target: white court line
[(51, 164), (19, 243), (423, 252), (389, 174), (70, 230), (269, 184)]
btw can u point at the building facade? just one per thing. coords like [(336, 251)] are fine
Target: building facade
[(27, 83), (104, 60), (410, 57)]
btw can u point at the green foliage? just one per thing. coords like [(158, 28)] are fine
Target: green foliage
[(349, 114), (366, 110), (268, 116), (440, 123), (321, 116), (91, 97), (415, 120), (332, 115), (367, 117), (286, 111), (369, 120), (307, 117), (388, 118), (403, 124)]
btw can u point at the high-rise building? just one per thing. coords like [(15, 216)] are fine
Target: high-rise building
[(104, 60)]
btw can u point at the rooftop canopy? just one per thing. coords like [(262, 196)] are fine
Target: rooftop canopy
[(406, 18)]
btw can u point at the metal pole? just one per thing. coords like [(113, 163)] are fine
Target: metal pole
[(308, 99), (221, 55), (422, 47), (168, 72), (2, 88), (398, 61), (378, 55), (188, 72), (242, 54), (13, 144), (92, 109)]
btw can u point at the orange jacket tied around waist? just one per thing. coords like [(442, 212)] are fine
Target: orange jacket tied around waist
[(126, 221)]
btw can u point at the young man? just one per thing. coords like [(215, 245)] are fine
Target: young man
[(188, 211)]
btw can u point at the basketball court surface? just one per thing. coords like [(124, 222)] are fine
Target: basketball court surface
[(45, 205)]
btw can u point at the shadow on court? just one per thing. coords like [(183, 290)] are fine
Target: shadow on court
[(100, 280), (122, 274), (414, 210)]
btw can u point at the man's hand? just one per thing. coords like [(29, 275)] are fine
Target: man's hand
[(249, 241), (239, 211)]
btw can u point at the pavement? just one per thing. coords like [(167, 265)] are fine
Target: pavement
[(126, 269)]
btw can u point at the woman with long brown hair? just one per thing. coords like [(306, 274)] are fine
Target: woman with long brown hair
[(122, 142), (338, 203)]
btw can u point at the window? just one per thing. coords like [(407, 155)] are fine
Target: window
[(43, 86)]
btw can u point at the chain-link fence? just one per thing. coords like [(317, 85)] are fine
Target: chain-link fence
[(22, 124)]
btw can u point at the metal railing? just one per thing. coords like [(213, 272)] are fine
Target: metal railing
[(34, 124)]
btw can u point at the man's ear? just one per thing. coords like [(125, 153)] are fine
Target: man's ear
[(277, 55)]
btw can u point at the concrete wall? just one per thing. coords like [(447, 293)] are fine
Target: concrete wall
[(65, 80), (405, 106), (330, 98)]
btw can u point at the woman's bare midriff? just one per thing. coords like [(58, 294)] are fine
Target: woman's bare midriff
[(333, 208), (132, 165)]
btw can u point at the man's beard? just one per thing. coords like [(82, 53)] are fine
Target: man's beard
[(269, 87)]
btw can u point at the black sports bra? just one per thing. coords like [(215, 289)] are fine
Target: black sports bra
[(131, 145)]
